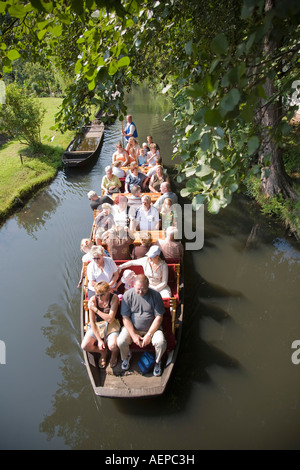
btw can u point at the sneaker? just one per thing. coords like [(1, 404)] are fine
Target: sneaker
[(126, 362), (157, 369)]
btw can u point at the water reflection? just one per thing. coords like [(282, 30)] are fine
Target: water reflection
[(287, 252), (37, 212)]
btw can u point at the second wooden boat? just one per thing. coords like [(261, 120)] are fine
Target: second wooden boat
[(85, 147)]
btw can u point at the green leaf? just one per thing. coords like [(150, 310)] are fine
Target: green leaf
[(216, 164), (113, 67), (195, 136), (2, 7), (17, 11), (185, 192), (212, 117), (198, 200), (214, 206), (253, 144), (180, 178), (91, 85), (219, 44), (233, 187), (194, 184), (188, 47), (124, 62), (204, 171), (205, 142), (41, 34), (231, 100), (13, 54), (56, 30)]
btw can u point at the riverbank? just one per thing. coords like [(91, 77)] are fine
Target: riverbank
[(23, 172), (285, 210)]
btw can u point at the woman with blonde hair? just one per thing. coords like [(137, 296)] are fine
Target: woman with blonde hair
[(133, 150), (103, 306), (101, 268), (120, 155)]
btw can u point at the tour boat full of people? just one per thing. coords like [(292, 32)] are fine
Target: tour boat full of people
[(132, 274)]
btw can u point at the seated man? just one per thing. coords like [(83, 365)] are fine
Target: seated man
[(165, 189), (142, 310), (135, 199), (96, 201), (147, 216)]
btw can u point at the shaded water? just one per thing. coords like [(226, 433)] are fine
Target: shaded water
[(234, 386)]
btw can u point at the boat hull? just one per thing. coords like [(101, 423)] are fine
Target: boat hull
[(73, 157)]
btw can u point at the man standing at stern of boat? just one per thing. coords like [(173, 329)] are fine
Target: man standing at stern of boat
[(142, 311), (130, 129)]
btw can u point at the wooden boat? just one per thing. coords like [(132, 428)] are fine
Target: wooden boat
[(116, 383), (85, 147)]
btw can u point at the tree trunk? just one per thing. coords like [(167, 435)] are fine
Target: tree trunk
[(275, 180)]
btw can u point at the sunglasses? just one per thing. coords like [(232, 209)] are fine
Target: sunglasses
[(96, 258)]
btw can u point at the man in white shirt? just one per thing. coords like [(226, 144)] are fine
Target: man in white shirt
[(147, 216)]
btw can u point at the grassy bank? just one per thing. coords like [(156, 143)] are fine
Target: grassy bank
[(20, 180)]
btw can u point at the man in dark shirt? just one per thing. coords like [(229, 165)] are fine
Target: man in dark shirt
[(96, 201), (142, 310)]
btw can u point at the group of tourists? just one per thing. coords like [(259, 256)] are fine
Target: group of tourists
[(122, 231)]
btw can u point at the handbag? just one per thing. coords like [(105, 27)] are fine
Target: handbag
[(146, 362), (106, 328), (114, 190)]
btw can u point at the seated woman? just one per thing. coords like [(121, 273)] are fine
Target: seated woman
[(168, 214), (102, 306), (158, 178), (119, 241), (132, 148), (171, 249), (152, 154), (103, 221), (135, 177), (85, 246), (101, 268), (120, 155), (139, 251), (117, 170), (110, 182), (121, 211), (155, 269)]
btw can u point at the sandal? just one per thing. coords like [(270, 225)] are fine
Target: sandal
[(102, 362)]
